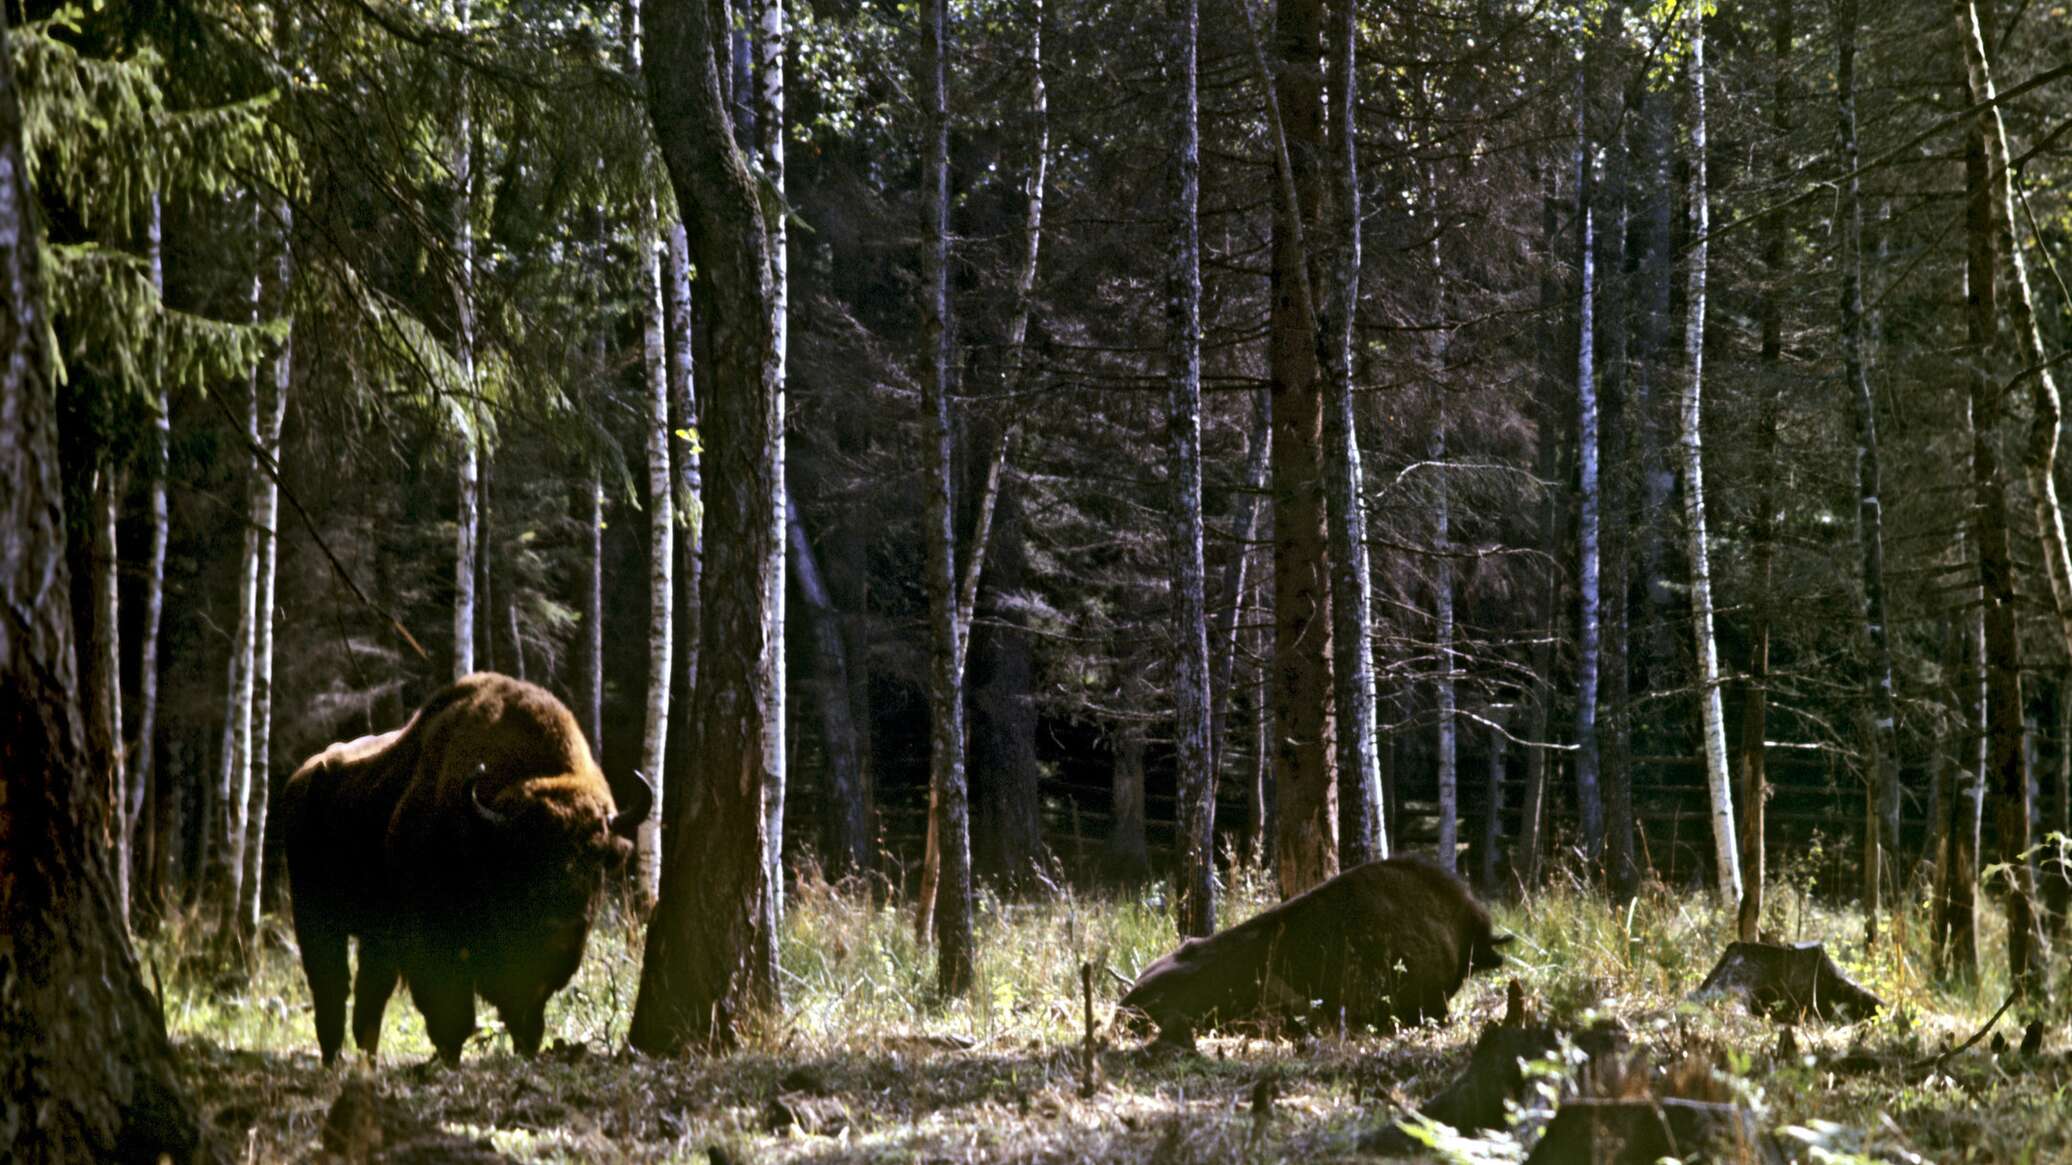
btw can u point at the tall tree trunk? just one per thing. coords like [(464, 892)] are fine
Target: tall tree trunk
[(1361, 837), (147, 783), (661, 635), (2006, 765), (266, 508), (848, 831), (1619, 449), (1525, 856), (1881, 853), (686, 457), (1004, 713), (1446, 696), (467, 411), (224, 855), (1713, 717), (593, 615), (956, 953), (104, 677), (1755, 723), (769, 136), (1305, 730), (1589, 499), (707, 961), (85, 1069), (1195, 785)]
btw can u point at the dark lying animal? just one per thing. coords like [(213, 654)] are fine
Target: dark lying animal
[(1390, 940), (466, 851)]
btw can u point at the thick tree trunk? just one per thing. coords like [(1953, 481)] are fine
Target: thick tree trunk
[(1361, 836), (2006, 765), (956, 952), (1881, 849), (1195, 785), (707, 961), (1305, 729), (848, 830), (1713, 717), (85, 1069)]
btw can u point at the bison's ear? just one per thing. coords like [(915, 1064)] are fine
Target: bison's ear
[(638, 806)]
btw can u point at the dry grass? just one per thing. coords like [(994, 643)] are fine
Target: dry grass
[(866, 1064)]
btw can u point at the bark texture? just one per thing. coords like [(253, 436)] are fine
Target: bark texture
[(1195, 782), (707, 963), (85, 1070)]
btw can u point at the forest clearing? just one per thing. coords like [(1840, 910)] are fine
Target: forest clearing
[(1037, 580), (869, 1064)]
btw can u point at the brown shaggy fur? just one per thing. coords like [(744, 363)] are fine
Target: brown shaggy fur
[(466, 851), (1390, 940)]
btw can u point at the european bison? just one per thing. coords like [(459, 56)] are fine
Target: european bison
[(1388, 940), (465, 850)]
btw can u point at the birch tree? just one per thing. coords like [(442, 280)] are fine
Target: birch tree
[(1196, 794), (466, 411), (1987, 219), (147, 785), (276, 378), (1725, 853), (1589, 497), (952, 906), (769, 140), (1361, 837)]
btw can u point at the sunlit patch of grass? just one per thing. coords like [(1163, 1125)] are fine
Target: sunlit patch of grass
[(996, 1075)]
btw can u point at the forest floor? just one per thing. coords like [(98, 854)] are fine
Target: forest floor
[(867, 1064)]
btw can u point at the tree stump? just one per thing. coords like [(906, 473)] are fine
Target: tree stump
[(1788, 983)]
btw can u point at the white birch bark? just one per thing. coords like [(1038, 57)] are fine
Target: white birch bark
[(661, 482), (266, 527), (1717, 777), (234, 782), (769, 129)]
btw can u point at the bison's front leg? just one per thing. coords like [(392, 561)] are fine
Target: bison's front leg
[(446, 996), (324, 963), (371, 988)]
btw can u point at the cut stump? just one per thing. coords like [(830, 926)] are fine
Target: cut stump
[(1788, 983)]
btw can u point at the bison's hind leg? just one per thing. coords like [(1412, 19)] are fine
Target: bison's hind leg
[(375, 981), (446, 996), (324, 963)]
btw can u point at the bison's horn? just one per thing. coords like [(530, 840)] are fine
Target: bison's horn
[(638, 806), (475, 798)]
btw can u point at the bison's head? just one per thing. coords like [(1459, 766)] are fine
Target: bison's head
[(547, 846), (1487, 953)]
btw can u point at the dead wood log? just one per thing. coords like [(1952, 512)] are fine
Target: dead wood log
[(1788, 983)]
